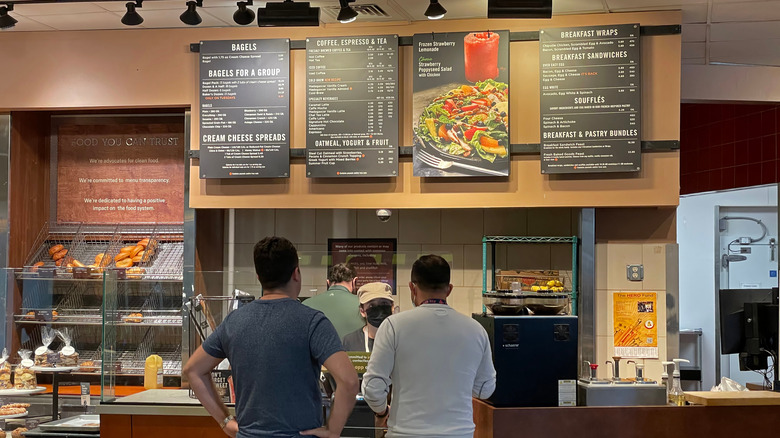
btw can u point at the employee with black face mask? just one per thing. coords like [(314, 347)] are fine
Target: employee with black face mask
[(376, 304)]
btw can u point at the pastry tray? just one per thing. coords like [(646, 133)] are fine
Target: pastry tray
[(78, 423)]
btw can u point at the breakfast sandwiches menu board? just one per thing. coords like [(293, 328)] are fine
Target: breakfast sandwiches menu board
[(245, 109), (461, 104), (352, 106), (590, 99)]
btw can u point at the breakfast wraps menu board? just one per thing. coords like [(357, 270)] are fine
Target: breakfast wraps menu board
[(461, 104), (590, 99), (373, 259), (352, 106), (245, 109)]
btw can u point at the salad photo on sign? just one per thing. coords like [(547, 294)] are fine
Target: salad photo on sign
[(461, 104)]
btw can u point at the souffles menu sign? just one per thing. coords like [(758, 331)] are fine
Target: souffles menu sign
[(120, 173)]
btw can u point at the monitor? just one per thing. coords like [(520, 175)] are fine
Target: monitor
[(749, 325)]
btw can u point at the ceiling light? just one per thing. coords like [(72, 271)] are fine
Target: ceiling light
[(435, 11), (131, 17), (288, 13), (346, 14), (190, 16), (7, 21), (243, 15), (519, 9)]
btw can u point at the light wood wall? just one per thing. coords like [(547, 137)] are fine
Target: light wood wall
[(147, 68)]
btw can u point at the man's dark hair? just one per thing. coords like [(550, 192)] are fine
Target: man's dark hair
[(431, 273), (275, 261), (341, 272)]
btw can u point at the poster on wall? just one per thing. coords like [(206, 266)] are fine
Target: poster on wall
[(120, 172), (461, 104), (245, 109), (373, 259), (635, 320), (590, 99), (352, 106)]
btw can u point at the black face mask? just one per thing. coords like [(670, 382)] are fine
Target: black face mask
[(377, 314)]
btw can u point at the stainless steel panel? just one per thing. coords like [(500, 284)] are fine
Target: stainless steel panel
[(587, 286), (5, 162), (188, 284), (672, 301)]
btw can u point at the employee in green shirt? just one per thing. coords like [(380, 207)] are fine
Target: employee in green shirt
[(338, 303)]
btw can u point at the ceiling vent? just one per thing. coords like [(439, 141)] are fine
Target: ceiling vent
[(367, 12)]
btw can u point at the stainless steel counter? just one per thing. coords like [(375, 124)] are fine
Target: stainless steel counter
[(155, 402)]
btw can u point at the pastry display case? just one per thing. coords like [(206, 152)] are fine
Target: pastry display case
[(73, 270)]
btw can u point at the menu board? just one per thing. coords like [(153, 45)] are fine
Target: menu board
[(352, 106), (123, 172), (373, 259), (590, 99), (245, 109), (461, 104)]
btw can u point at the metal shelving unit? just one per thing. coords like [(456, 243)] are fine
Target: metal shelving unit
[(493, 240)]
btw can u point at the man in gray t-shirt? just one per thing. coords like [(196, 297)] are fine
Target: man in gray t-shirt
[(276, 347)]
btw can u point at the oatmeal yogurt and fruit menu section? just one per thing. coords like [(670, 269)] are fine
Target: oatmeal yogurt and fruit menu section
[(245, 109), (590, 99), (351, 106)]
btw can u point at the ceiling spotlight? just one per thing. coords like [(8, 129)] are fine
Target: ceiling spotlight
[(346, 14), (435, 11), (7, 21), (244, 15), (131, 17), (190, 16)]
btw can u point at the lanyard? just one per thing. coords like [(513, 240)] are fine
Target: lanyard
[(434, 301), (365, 337)]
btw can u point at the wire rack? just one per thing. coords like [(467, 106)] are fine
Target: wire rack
[(64, 234)]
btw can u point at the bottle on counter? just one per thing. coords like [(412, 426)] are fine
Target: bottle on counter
[(665, 379), (153, 372), (676, 394)]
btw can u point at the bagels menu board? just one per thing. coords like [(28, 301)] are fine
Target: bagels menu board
[(590, 99), (121, 172), (461, 104), (245, 108), (352, 106), (373, 259)]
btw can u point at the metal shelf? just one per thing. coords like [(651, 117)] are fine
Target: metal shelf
[(492, 240)]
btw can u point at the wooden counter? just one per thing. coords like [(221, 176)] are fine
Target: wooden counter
[(626, 422)]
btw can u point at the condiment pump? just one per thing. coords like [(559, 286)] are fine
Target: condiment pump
[(676, 394), (665, 378)]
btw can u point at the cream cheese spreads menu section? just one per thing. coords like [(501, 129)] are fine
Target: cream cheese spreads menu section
[(245, 109), (590, 102), (120, 173), (352, 106)]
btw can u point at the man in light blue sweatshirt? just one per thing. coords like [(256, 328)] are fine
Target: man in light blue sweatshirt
[(435, 358)]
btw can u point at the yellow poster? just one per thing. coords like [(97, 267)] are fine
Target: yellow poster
[(635, 324)]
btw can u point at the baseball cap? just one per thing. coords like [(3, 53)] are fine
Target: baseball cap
[(372, 291)]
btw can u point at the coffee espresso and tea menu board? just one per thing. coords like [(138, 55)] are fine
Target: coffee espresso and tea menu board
[(461, 104), (590, 99), (352, 106), (245, 108)]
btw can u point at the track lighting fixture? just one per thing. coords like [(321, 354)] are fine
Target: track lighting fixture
[(7, 21), (435, 11), (131, 17), (288, 13), (190, 16), (346, 14), (244, 15)]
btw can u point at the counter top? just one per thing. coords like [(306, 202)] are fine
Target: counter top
[(155, 402)]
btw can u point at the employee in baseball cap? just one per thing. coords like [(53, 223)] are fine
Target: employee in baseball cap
[(376, 304)]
